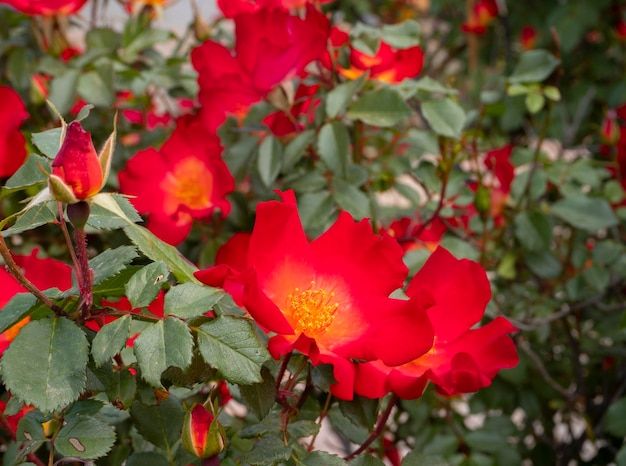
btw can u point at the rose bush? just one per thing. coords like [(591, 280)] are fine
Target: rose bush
[(375, 233)]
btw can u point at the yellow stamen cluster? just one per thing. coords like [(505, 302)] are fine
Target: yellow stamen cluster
[(312, 310)]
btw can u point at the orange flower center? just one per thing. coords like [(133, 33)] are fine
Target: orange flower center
[(312, 310), (190, 184)]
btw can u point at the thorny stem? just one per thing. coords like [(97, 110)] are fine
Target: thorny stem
[(70, 246), (25, 282), (378, 430), (86, 293)]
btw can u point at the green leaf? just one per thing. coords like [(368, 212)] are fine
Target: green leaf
[(382, 107), (321, 458), (361, 411), (269, 160), (111, 262), (147, 38), (96, 87), (517, 89), (552, 93), (144, 286), (29, 173), (122, 389), (486, 441), (417, 458), (301, 429), (33, 217), (338, 99), (316, 210), (230, 345), (117, 205), (147, 458), (157, 250), (164, 344), (534, 102), (63, 90), (190, 300), (111, 211), (445, 117), (15, 310), (333, 146), (402, 35), (48, 142), (110, 340), (268, 451), (296, 148), (543, 263), (365, 460), (534, 66), (351, 199), (161, 424), (115, 286), (85, 437), (260, 397), (533, 230), (584, 212), (102, 38), (45, 365)]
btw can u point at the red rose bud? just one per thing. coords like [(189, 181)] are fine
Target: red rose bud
[(609, 131), (528, 37), (76, 166), (203, 436)]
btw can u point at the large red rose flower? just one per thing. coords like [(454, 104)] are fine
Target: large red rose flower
[(12, 142), (462, 360), (46, 7), (328, 298), (185, 180)]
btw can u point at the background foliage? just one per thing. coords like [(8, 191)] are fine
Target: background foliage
[(409, 156)]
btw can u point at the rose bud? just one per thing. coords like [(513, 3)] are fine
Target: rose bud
[(203, 436), (76, 166), (609, 131)]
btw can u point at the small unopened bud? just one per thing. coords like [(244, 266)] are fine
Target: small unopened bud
[(78, 214), (203, 436), (482, 200), (609, 131), (77, 164)]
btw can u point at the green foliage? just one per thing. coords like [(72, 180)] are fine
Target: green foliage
[(45, 365), (548, 229)]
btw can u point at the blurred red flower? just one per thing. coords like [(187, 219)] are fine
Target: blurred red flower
[(327, 298), (185, 180), (528, 37), (388, 64), (272, 45), (482, 15), (46, 7), (454, 294), (283, 123), (13, 144)]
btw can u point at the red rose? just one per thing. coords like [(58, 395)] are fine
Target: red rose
[(13, 145)]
